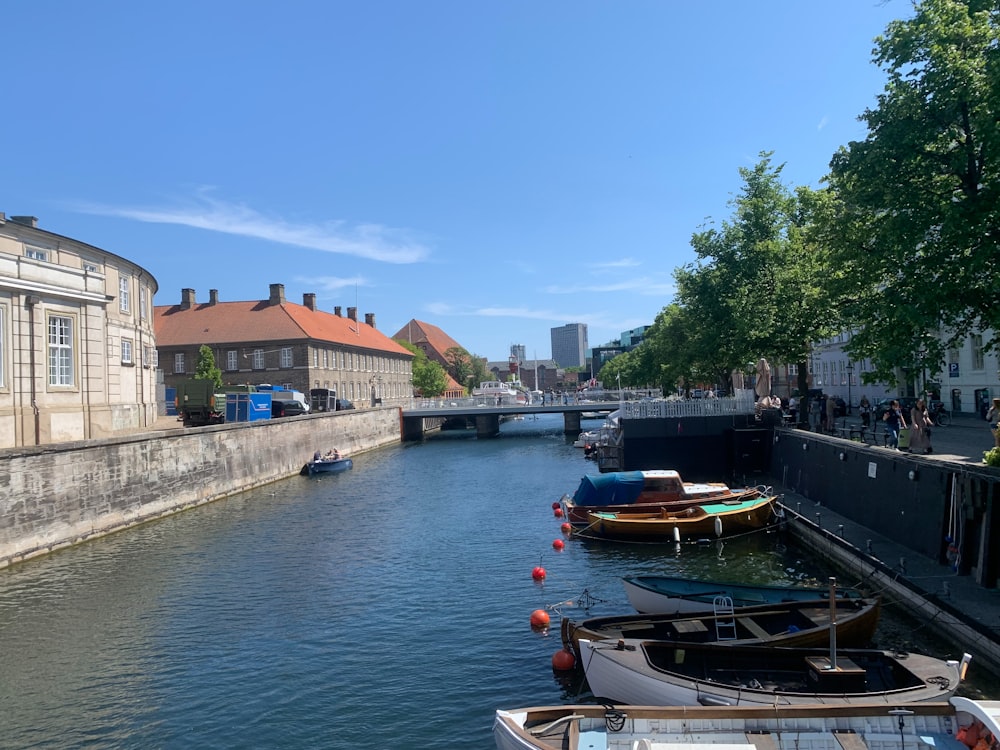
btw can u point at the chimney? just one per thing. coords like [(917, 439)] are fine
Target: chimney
[(352, 313), (336, 311), (187, 299), (277, 294), (28, 221), (309, 300), (213, 296), (370, 319)]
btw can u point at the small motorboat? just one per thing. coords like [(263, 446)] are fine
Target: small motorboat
[(713, 518), (801, 624), (886, 726), (327, 465), (648, 490), (654, 594), (667, 673)]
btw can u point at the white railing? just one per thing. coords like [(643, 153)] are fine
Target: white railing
[(694, 407)]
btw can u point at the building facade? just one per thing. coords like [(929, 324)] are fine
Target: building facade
[(434, 343), (277, 342), (569, 345), (77, 346)]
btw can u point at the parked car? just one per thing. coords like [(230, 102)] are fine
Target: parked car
[(287, 408), (905, 404), (343, 403)]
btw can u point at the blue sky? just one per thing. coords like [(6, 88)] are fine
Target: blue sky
[(494, 168)]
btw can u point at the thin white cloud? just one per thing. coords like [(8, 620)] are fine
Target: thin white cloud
[(332, 283), (644, 286), (370, 241), (822, 123), (621, 263)]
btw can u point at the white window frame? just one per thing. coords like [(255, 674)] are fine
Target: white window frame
[(147, 356), (142, 303), (60, 347), (127, 352), (286, 357), (258, 359), (232, 360), (179, 364), (123, 293), (36, 253)]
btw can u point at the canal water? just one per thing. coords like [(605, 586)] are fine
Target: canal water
[(386, 607)]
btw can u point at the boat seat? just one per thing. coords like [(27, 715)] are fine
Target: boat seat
[(850, 741), (753, 627)]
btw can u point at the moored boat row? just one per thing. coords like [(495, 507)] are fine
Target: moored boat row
[(729, 646)]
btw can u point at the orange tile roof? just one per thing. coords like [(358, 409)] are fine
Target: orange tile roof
[(257, 321), (416, 331)]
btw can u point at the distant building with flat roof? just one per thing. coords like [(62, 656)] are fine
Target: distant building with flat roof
[(569, 345)]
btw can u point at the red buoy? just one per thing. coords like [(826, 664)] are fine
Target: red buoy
[(566, 528), (563, 660), (555, 505), (558, 512), (558, 544), (538, 573), (539, 619)]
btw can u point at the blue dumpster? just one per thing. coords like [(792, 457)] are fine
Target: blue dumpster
[(248, 407)]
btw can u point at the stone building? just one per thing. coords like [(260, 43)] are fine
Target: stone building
[(283, 343), (77, 347)]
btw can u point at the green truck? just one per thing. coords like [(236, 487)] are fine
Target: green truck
[(199, 402)]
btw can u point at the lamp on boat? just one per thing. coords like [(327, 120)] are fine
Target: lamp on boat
[(913, 475)]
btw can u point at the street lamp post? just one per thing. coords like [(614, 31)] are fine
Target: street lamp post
[(850, 377)]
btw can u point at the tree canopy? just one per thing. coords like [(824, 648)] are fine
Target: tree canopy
[(429, 378), (206, 368), (915, 218)]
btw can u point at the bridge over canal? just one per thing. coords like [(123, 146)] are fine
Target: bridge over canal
[(486, 417)]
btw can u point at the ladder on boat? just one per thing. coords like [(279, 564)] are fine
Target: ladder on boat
[(725, 618)]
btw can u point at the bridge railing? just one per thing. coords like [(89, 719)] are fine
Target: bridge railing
[(696, 407)]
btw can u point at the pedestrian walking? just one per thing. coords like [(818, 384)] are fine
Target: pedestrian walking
[(865, 409), (920, 428), (993, 416), (894, 422), (831, 413), (814, 414)]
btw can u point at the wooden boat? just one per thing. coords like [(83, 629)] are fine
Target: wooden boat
[(671, 595), (920, 726), (327, 466), (800, 624), (661, 673), (708, 519), (642, 491)]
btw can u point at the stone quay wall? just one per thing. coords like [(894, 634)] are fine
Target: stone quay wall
[(58, 495)]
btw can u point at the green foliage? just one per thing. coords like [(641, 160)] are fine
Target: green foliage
[(914, 224), (429, 378), (459, 364), (206, 368), (756, 289), (992, 457)]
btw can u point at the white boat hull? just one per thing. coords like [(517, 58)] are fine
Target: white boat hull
[(926, 726), (624, 676)]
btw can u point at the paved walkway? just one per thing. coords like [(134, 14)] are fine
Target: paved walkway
[(940, 585)]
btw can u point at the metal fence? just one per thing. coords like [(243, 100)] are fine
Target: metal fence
[(694, 407)]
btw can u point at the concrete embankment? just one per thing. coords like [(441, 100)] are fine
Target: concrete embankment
[(54, 496)]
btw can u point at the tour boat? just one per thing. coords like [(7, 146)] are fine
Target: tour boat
[(713, 519)]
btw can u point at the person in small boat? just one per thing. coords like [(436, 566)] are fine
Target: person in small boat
[(317, 456), (332, 455)]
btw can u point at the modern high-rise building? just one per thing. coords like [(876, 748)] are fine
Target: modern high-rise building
[(569, 345)]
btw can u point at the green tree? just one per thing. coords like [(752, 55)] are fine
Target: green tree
[(916, 222), (429, 378), (206, 368), (757, 288)]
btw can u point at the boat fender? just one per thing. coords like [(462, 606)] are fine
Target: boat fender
[(718, 526), (712, 700)]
